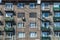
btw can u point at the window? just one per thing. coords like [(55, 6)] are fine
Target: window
[(1, 14), (57, 34), (9, 14), (21, 15), (57, 14), (45, 14), (9, 33), (45, 34), (32, 5), (33, 15), (57, 24), (21, 35), (45, 24), (20, 5), (9, 5), (57, 5), (1, 33), (32, 25), (43, 5), (8, 24), (1, 23), (33, 34), (20, 25)]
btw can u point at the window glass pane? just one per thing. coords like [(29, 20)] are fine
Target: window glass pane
[(57, 14), (56, 5), (33, 25), (43, 5), (45, 34), (57, 24), (45, 14), (21, 35), (33, 15), (9, 33), (45, 24), (21, 15), (9, 5), (20, 5), (57, 34), (33, 34), (8, 24), (20, 25), (32, 5), (9, 14)]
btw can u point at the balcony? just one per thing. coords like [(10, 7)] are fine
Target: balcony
[(1, 29), (56, 28), (56, 18), (45, 29), (45, 38), (46, 8), (56, 8), (9, 9), (9, 18), (8, 29)]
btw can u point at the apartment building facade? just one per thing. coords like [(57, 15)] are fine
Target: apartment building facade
[(30, 20), (19, 20)]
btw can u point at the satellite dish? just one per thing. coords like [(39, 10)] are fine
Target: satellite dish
[(38, 1)]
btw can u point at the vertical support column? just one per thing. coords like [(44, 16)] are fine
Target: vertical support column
[(15, 26), (52, 23), (38, 22)]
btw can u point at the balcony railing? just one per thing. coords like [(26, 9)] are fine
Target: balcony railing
[(45, 38), (56, 8), (1, 29), (9, 29), (56, 18), (45, 29), (46, 8), (9, 18), (9, 9), (56, 28)]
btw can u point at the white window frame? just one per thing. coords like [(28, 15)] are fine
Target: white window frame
[(20, 25), (33, 25), (10, 5), (34, 5), (21, 35), (33, 34)]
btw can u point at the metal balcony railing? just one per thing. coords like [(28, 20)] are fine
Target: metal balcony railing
[(9, 18), (56, 18), (56, 28), (9, 28), (56, 8), (45, 38), (9, 9), (45, 29)]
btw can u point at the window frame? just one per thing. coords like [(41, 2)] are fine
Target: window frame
[(32, 5), (22, 25), (33, 15), (20, 5), (33, 33), (9, 5), (22, 35)]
